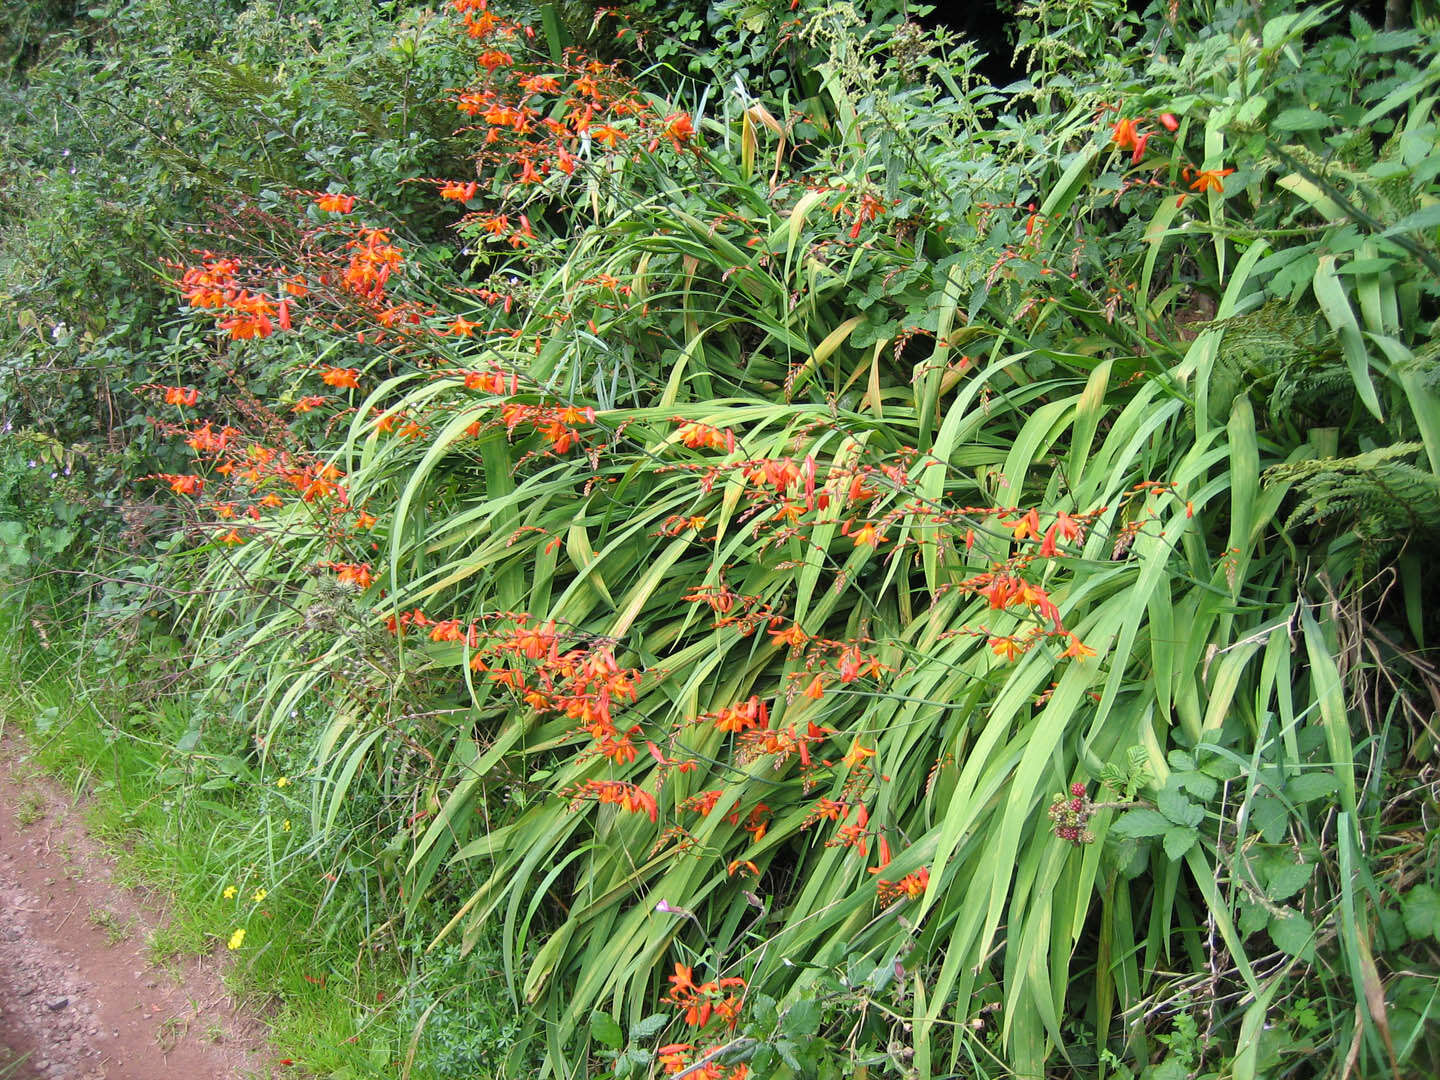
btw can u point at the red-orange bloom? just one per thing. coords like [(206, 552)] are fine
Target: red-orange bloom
[(494, 58), (678, 128), (1007, 648), (674, 1057), (792, 636), (1124, 134), (911, 886), (1210, 179), (458, 191), (357, 574), (181, 395), (858, 755), (742, 717), (343, 378), (335, 203), (184, 485), (703, 436), (682, 983)]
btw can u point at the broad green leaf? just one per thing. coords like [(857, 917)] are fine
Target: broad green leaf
[(1421, 908)]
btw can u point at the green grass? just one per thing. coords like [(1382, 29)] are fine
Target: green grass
[(188, 809), (30, 810), (182, 846)]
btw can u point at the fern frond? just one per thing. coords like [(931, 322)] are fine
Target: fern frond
[(1378, 494)]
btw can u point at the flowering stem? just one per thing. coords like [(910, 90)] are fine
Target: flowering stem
[(734, 1044)]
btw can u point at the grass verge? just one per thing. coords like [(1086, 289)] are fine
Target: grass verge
[(218, 838)]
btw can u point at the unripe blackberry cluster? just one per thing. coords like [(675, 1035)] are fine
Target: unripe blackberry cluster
[(1070, 815)]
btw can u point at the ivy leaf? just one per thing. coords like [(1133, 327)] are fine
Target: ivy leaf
[(1422, 912), (1135, 824), (1293, 935), (1178, 841), (605, 1031)]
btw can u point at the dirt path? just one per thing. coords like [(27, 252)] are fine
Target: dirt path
[(79, 998)]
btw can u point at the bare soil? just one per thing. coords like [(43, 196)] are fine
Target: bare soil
[(80, 998)]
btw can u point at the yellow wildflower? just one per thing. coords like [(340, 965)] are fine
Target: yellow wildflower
[(237, 939)]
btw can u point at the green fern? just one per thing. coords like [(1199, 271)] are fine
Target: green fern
[(1279, 353), (1379, 494)]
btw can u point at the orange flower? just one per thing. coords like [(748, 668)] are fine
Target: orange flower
[(1078, 650), (679, 129), (673, 1058), (855, 835), (343, 378), (535, 643), (698, 436), (462, 327), (607, 134), (1124, 134), (181, 395), (1007, 648), (184, 485), (305, 404), (540, 84), (682, 983), (493, 59), (742, 717), (335, 203), (1210, 180), (857, 755), (458, 191), (357, 574), (794, 636), (1027, 525), (911, 886), (758, 822), (865, 536)]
